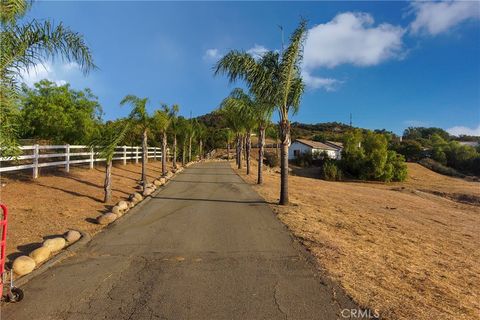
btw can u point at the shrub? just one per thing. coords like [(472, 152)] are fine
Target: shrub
[(440, 168), (304, 160), (272, 159), (366, 156), (330, 171)]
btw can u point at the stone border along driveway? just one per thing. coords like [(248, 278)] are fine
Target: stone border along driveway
[(70, 250)]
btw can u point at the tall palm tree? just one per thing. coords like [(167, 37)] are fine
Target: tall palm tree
[(230, 109), (246, 112), (229, 138), (274, 79), (192, 131), (174, 129), (139, 116), (24, 46), (110, 137), (201, 130), (160, 123)]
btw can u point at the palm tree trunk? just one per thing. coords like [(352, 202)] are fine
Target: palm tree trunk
[(237, 150), (190, 149), (107, 186), (285, 135), (244, 144), (240, 151), (201, 147), (228, 151), (184, 153), (248, 148), (174, 160), (261, 137), (144, 158), (164, 154)]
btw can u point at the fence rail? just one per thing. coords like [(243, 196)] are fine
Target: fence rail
[(50, 154)]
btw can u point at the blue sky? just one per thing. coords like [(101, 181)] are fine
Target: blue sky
[(390, 64)]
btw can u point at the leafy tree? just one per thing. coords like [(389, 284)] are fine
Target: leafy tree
[(110, 136), (274, 79), (140, 118), (59, 113), (24, 46), (366, 156), (411, 149)]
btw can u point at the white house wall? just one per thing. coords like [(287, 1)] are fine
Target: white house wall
[(333, 154)]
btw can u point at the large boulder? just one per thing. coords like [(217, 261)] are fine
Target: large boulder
[(123, 205), (55, 244), (169, 175), (131, 204), (40, 254), (107, 218), (157, 183), (72, 236), (23, 265)]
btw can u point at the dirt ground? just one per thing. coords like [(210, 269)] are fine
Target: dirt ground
[(409, 250), (58, 201)]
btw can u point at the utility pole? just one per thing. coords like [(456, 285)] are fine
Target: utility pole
[(350, 119)]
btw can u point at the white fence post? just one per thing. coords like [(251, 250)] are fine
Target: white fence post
[(124, 155), (155, 153), (67, 158), (91, 158), (35, 161), (136, 154)]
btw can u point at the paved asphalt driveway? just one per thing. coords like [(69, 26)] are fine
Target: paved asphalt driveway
[(205, 247)]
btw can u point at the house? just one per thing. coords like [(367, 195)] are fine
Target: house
[(315, 148)]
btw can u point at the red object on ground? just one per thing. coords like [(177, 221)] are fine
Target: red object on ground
[(3, 243)]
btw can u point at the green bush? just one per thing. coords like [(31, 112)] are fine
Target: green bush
[(330, 171), (304, 160), (366, 156), (272, 159), (440, 168)]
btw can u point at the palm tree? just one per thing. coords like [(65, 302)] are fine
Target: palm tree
[(139, 116), (110, 137), (160, 122), (201, 130), (174, 129), (229, 138), (230, 109), (23, 46), (274, 79), (191, 130), (246, 112)]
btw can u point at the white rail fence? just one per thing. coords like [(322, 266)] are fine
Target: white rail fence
[(40, 156)]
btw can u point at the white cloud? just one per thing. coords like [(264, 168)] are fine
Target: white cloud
[(459, 130), (351, 38), (257, 51), (437, 17), (58, 73), (313, 82), (212, 54)]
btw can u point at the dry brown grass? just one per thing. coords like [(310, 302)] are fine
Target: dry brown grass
[(400, 248), (56, 201)]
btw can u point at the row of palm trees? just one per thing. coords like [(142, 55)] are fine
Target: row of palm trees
[(274, 82), (163, 121)]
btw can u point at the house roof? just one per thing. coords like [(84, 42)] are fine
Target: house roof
[(318, 145), (338, 145)]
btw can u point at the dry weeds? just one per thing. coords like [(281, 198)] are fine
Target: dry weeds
[(406, 249)]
